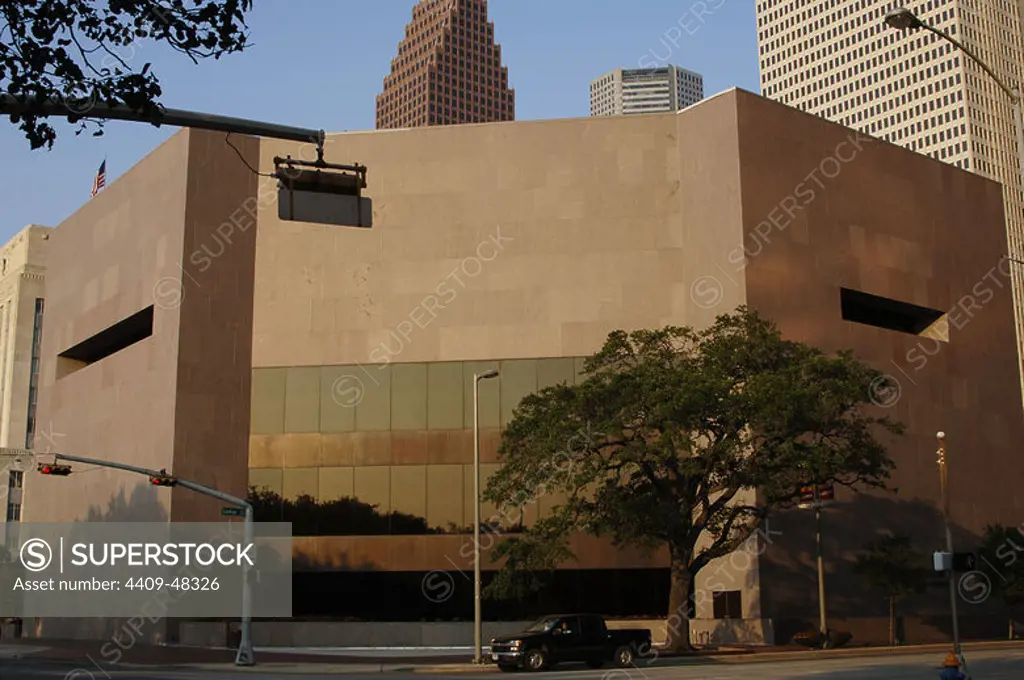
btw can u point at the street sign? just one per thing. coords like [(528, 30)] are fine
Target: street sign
[(232, 512)]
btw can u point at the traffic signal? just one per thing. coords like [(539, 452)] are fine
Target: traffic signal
[(54, 469), (808, 495), (163, 479), (964, 562)]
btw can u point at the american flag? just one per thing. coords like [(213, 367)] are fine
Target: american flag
[(101, 178)]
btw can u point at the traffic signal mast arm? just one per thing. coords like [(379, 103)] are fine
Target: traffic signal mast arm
[(157, 474), (10, 104), (245, 656)]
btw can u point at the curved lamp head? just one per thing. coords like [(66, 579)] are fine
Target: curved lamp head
[(493, 373), (902, 18)]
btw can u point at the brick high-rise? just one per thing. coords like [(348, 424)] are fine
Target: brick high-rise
[(448, 70)]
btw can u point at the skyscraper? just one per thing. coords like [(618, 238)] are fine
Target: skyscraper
[(840, 60), (645, 90), (448, 70)]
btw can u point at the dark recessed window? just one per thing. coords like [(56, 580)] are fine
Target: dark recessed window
[(883, 312), (121, 335), (728, 604)]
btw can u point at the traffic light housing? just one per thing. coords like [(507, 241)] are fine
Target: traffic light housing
[(163, 479), (808, 495), (54, 469)]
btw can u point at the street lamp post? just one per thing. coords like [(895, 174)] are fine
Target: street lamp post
[(477, 618), (822, 610), (943, 485), (821, 496), (903, 19)]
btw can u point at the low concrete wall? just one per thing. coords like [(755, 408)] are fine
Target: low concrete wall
[(709, 632), (454, 634), (347, 634)]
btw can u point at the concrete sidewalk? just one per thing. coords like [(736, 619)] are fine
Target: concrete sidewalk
[(758, 656)]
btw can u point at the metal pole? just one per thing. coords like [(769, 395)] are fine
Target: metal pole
[(245, 656), (477, 623), (822, 622), (943, 483), (160, 115)]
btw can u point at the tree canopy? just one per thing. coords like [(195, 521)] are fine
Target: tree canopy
[(894, 568), (81, 52), (1003, 563), (680, 426)]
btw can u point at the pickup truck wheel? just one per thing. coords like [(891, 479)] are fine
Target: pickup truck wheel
[(623, 657), (536, 660)]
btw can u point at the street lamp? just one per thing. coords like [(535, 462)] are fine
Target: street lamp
[(477, 621), (818, 497), (943, 482), (903, 19)]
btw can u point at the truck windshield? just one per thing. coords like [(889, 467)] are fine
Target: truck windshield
[(542, 625)]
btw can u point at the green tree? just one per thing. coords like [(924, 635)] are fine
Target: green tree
[(680, 426), (81, 51), (893, 567), (1000, 550)]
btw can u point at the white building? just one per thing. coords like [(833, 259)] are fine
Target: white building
[(13, 469), (645, 90), (22, 276), (840, 60)]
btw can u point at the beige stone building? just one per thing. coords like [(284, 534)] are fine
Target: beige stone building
[(22, 279), (13, 469), (331, 368), (840, 60)]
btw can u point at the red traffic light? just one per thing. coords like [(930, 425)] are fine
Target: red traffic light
[(54, 469), (809, 495), (163, 481)]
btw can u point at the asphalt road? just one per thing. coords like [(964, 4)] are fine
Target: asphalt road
[(983, 665)]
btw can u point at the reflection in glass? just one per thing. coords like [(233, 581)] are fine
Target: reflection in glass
[(349, 517)]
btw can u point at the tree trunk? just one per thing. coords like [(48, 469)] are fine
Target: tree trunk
[(892, 621), (677, 626)]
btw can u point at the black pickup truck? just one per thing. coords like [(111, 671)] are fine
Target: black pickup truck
[(569, 637)]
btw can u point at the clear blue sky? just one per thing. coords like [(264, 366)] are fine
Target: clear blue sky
[(320, 64)]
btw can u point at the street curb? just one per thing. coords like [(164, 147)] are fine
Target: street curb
[(821, 654), (660, 661), (486, 668)]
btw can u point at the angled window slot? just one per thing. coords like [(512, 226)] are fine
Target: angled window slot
[(111, 340), (894, 315)]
